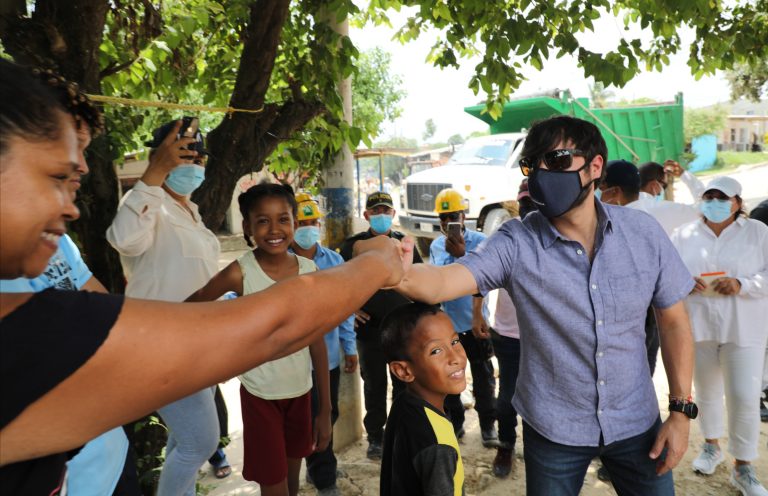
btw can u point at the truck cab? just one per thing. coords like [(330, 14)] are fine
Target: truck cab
[(485, 171)]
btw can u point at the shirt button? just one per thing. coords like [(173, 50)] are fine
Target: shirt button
[(599, 322), (600, 354), (594, 286), (602, 383), (579, 252), (599, 412)]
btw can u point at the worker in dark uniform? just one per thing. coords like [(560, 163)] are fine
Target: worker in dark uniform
[(379, 212)]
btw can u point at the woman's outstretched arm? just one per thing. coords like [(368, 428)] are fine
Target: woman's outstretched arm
[(159, 352)]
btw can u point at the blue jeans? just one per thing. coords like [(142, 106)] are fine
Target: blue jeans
[(553, 469), (508, 355), (193, 434)]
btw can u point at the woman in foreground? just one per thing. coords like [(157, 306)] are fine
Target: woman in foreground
[(113, 347)]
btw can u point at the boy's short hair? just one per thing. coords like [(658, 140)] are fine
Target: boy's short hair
[(397, 328), (547, 133)]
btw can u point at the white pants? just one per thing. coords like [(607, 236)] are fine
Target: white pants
[(736, 372)]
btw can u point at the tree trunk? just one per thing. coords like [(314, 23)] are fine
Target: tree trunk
[(242, 142)]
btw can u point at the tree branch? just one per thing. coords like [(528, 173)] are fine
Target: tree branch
[(114, 68), (260, 43)]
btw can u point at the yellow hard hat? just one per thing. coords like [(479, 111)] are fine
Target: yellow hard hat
[(308, 208), (302, 197), (449, 200)]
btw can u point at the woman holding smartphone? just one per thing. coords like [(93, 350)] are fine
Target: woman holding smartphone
[(167, 253)]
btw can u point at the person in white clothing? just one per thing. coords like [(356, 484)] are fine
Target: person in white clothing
[(727, 254), (653, 185), (167, 253)]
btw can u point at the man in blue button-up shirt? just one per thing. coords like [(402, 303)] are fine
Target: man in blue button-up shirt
[(321, 466), (581, 275)]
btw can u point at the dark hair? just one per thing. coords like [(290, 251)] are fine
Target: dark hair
[(74, 101), (262, 190), (546, 134), (623, 175), (397, 328), (741, 210), (651, 171), (27, 107)]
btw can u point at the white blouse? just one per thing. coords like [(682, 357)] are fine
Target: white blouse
[(166, 253), (741, 251)]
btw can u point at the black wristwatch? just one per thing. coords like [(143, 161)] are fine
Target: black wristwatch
[(688, 408)]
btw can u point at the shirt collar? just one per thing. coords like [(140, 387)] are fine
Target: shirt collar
[(549, 234), (740, 221)]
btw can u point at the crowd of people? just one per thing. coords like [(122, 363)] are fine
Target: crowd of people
[(596, 273)]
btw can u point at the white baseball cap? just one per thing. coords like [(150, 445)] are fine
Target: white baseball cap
[(726, 185)]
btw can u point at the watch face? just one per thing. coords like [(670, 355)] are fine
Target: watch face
[(691, 410)]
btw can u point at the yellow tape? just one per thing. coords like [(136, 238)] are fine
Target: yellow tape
[(169, 105)]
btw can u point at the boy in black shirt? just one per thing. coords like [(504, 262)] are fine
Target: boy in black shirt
[(421, 453)]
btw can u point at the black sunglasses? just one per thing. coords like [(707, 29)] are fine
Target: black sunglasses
[(556, 160), (450, 216)]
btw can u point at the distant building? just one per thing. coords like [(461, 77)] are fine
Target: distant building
[(746, 128), (426, 159)]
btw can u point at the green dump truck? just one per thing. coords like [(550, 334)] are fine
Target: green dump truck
[(485, 170)]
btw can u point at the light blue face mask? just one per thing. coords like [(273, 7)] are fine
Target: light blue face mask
[(716, 211), (185, 178), (306, 236), (660, 196), (598, 193), (381, 223)]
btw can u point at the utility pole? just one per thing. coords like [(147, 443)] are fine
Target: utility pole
[(339, 178), (339, 203)]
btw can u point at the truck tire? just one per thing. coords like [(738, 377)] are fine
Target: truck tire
[(494, 219), (422, 244)]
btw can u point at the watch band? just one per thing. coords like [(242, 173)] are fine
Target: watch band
[(686, 407)]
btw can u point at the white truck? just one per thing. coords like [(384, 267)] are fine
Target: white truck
[(485, 171)]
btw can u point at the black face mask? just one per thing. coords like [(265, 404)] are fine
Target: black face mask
[(555, 193)]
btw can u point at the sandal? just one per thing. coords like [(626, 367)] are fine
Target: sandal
[(222, 471)]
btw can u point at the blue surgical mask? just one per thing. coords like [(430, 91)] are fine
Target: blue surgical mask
[(185, 178), (660, 196), (716, 211), (598, 193), (381, 223), (306, 236)]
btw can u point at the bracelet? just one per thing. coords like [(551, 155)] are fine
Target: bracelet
[(680, 399)]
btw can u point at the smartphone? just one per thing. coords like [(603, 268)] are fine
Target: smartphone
[(190, 128), (454, 230)]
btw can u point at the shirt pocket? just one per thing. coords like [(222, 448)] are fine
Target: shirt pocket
[(196, 241), (631, 298)]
